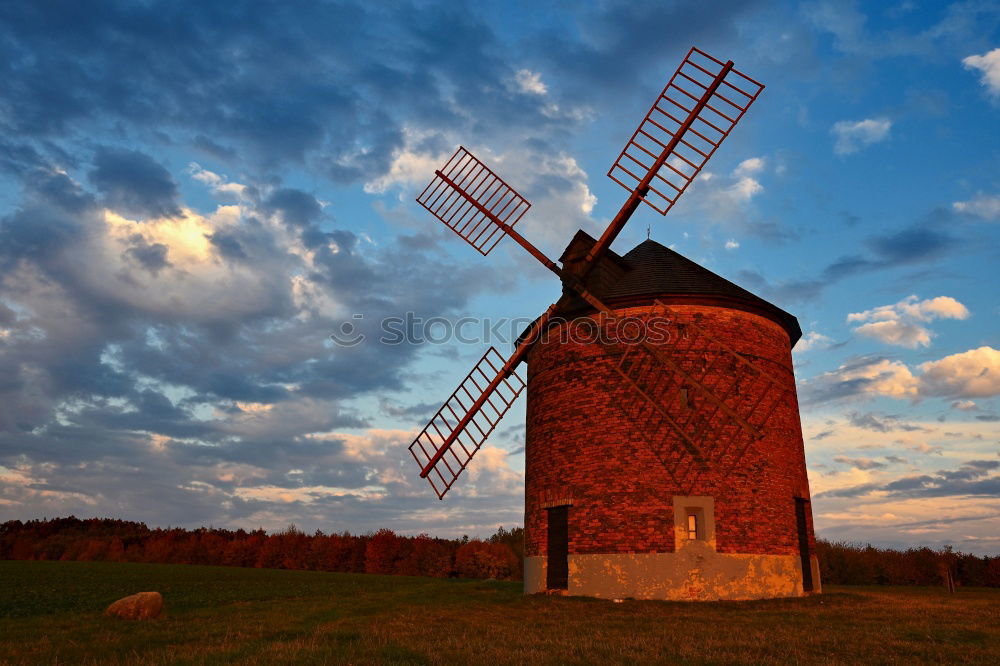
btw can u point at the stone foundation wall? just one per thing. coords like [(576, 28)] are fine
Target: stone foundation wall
[(692, 574)]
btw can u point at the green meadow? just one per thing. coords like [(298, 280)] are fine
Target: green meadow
[(51, 612)]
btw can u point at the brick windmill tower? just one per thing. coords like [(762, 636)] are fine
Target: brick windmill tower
[(664, 453)]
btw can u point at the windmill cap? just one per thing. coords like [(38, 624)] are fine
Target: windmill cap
[(655, 271)]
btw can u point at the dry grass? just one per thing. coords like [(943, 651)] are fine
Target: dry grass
[(50, 612)]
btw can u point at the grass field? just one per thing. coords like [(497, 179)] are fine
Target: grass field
[(51, 612)]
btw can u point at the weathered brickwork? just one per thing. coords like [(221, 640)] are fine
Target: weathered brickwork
[(582, 449)]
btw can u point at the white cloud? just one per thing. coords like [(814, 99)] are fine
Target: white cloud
[(971, 374), (554, 183), (852, 136), (749, 166), (901, 324), (530, 82), (411, 166), (989, 65), (864, 377), (219, 184), (726, 198), (731, 244), (812, 340), (982, 205), (964, 405), (896, 332)]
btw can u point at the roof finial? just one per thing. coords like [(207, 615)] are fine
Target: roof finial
[(647, 233)]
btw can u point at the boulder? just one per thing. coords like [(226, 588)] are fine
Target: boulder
[(142, 606)]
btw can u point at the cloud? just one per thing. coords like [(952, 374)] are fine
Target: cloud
[(731, 244), (861, 463), (349, 80), (197, 343), (983, 206), (749, 166), (220, 184), (901, 323), (971, 374), (530, 82), (974, 477), (812, 340), (294, 206), (865, 376), (989, 65), (622, 39), (781, 291), (910, 245), (877, 423), (964, 405), (134, 183), (725, 198), (553, 182), (852, 136)]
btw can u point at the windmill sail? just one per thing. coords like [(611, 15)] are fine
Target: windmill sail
[(470, 199), (446, 445), (697, 109)]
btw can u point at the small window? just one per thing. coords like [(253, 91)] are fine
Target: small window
[(692, 526)]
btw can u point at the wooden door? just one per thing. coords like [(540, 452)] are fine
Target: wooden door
[(801, 506), (557, 577)]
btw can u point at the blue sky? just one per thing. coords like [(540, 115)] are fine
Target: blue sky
[(195, 196)]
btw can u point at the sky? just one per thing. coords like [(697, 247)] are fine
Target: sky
[(194, 197)]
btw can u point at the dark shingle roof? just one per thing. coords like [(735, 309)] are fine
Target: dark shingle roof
[(659, 271)]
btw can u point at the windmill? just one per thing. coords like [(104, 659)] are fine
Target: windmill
[(695, 404)]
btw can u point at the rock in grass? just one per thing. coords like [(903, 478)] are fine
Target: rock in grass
[(142, 606)]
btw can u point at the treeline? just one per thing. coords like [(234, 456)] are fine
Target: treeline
[(382, 552), (853, 564)]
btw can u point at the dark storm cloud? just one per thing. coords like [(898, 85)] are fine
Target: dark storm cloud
[(48, 220), (151, 256), (323, 82), (972, 478), (613, 45), (17, 158), (134, 183), (295, 206), (98, 389), (131, 403)]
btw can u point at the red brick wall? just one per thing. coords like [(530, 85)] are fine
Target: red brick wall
[(580, 446)]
